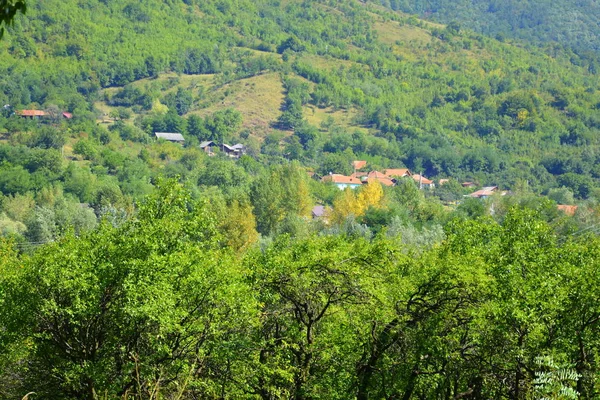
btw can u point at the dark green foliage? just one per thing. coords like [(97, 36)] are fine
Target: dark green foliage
[(569, 24), (8, 10)]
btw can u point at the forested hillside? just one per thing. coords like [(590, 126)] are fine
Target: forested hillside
[(573, 24), (333, 81)]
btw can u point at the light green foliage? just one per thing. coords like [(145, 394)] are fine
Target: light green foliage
[(140, 303), (561, 195), (159, 304), (279, 192)]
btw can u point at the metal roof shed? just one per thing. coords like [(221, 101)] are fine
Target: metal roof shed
[(171, 137)]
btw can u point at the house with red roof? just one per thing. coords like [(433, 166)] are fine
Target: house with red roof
[(397, 172), (485, 192), (382, 178), (342, 181), (423, 182), (358, 165), (33, 114)]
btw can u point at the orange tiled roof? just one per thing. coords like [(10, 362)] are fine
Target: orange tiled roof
[(399, 172), (421, 179), (383, 180), (359, 164), (342, 179), (31, 113), (485, 192)]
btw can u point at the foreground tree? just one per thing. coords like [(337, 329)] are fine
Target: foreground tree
[(134, 310)]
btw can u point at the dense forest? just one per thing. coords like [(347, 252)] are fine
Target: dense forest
[(136, 267), (160, 306), (573, 24)]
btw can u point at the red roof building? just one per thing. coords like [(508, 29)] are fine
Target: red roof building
[(358, 164), (342, 181), (423, 182), (67, 115), (397, 172), (485, 192), (381, 177), (31, 113)]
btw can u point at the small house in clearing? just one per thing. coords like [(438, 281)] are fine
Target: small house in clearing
[(342, 182), (171, 137)]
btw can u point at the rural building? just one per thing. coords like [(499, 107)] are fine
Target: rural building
[(207, 147), (33, 114), (397, 172), (358, 165), (171, 137), (423, 182), (342, 182), (485, 192), (236, 151), (380, 177)]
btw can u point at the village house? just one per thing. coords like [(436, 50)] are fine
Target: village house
[(32, 114), (485, 192), (235, 151), (423, 182), (207, 147), (358, 165), (342, 182), (380, 177), (171, 137), (397, 172)]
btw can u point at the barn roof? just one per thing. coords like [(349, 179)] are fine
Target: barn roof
[(171, 137)]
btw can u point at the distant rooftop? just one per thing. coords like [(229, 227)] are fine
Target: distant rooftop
[(171, 137)]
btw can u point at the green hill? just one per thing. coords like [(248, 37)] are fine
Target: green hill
[(317, 81)]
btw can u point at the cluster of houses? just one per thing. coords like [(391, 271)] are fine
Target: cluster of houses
[(390, 177), (235, 151), (387, 177), (209, 147)]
